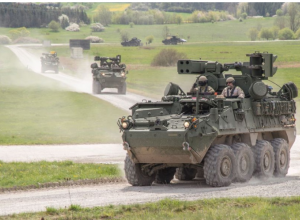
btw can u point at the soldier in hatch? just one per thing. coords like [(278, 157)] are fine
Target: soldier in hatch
[(202, 87), (232, 91)]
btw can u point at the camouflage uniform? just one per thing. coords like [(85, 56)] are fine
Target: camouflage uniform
[(202, 89), (238, 92)]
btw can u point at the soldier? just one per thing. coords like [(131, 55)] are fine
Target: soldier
[(232, 91), (203, 87)]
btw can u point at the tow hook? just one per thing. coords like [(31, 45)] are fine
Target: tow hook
[(186, 146)]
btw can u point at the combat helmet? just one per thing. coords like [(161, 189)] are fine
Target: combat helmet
[(203, 81)]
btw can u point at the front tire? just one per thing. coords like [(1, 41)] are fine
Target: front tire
[(219, 166), (245, 162), (165, 176), (264, 159), (282, 157), (135, 175), (96, 87)]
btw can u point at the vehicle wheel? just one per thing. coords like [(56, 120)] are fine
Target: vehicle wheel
[(245, 162), (135, 175), (96, 87), (122, 89), (185, 173), (264, 159), (282, 156), (219, 166), (165, 176)]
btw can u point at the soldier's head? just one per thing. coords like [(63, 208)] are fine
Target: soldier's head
[(230, 82), (203, 81)]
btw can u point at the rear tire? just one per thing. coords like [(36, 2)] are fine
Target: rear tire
[(219, 166), (264, 159), (245, 162), (282, 157), (96, 87), (165, 176), (185, 173), (135, 175)]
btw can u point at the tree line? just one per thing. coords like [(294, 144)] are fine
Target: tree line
[(37, 15)]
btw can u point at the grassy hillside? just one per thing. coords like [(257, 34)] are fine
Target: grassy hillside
[(195, 32), (38, 110)]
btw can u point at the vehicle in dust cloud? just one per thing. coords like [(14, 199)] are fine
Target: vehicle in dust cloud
[(49, 61), (227, 139), (134, 42), (173, 40)]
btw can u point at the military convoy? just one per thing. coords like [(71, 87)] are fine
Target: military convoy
[(173, 40), (49, 61), (134, 42), (228, 139), (110, 74)]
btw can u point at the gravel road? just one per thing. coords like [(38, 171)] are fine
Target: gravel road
[(123, 193)]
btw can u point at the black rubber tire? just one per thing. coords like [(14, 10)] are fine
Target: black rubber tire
[(134, 174), (165, 176), (185, 173), (245, 162), (96, 87), (264, 159), (282, 157), (122, 89), (219, 166)]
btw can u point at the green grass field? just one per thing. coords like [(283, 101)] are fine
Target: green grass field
[(210, 209), (19, 174), (197, 32)]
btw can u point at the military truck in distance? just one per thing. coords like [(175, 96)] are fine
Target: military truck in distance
[(173, 40), (110, 74), (229, 139), (49, 61), (134, 42)]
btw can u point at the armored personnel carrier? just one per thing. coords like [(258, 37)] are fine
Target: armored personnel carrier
[(228, 139), (49, 61), (110, 74), (134, 42), (173, 40)]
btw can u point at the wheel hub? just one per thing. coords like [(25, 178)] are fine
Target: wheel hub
[(226, 167), (244, 164), (266, 161), (282, 158)]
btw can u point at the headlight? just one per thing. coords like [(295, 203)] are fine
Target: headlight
[(102, 74), (125, 125), (122, 74), (186, 124)]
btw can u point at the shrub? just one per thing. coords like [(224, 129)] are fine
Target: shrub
[(26, 40), (286, 34), (297, 35), (244, 15), (94, 39), (266, 33), (240, 19), (4, 39), (73, 27), (253, 34), (19, 32), (54, 26), (149, 39), (97, 27), (64, 21), (124, 35), (275, 31), (167, 57), (131, 24)]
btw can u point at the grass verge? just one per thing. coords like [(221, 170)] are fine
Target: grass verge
[(36, 174), (241, 208)]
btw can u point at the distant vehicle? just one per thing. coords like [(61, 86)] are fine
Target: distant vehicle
[(110, 74), (227, 139), (134, 42), (49, 61), (173, 40)]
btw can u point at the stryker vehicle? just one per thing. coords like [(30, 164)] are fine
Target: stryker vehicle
[(49, 61), (110, 74), (134, 42), (228, 139), (173, 40)]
